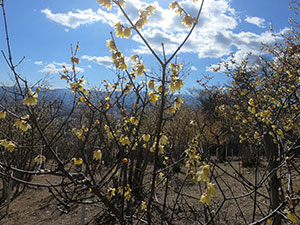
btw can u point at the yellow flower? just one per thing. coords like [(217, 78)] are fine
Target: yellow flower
[(163, 140), (84, 128), (124, 140), (121, 3), (31, 100), (151, 84), (237, 107), (153, 97), (110, 135), (128, 87), (187, 20), (176, 84), (178, 102), (8, 145), (205, 172), (127, 32), (193, 122), (127, 195), (205, 199), (77, 161), (134, 58), (39, 159), (160, 149), (140, 69), (111, 192), (141, 23), (2, 114), (144, 206), (106, 3), (159, 88), (97, 155), (146, 137), (134, 121), (118, 29), (279, 132), (211, 191), (252, 110), (22, 124), (79, 134), (175, 6), (291, 216), (111, 45), (251, 102), (120, 190), (171, 110)]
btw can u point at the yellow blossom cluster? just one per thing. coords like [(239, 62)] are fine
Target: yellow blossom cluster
[(77, 161), (97, 155), (127, 194), (2, 114), (124, 140), (199, 171), (163, 141), (31, 99), (187, 19), (143, 17), (151, 84), (106, 3), (8, 145), (22, 123), (177, 104), (176, 83), (122, 31), (40, 159), (79, 133), (111, 192), (292, 217), (128, 87), (153, 97), (117, 57)]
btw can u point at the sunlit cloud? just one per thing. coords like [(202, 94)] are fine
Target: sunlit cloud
[(38, 63), (216, 34), (100, 60), (57, 68), (260, 22)]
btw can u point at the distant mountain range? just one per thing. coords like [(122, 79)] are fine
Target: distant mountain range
[(67, 96)]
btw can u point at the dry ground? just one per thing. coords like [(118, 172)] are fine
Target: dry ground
[(36, 206)]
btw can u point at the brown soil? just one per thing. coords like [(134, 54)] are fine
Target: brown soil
[(36, 206)]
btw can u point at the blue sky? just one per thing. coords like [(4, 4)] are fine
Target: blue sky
[(43, 31)]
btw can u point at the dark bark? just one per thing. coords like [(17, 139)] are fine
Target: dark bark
[(271, 152)]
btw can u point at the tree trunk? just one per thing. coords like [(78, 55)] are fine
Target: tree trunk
[(271, 153)]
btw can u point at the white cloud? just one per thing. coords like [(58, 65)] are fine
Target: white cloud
[(74, 19), (38, 63), (193, 68), (215, 35), (260, 22), (56, 68), (100, 60)]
